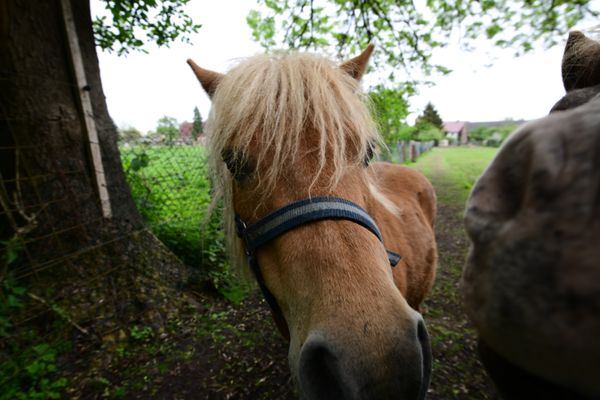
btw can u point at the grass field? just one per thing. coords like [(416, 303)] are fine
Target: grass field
[(167, 182), (453, 171)]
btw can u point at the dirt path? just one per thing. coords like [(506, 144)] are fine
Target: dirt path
[(457, 372)]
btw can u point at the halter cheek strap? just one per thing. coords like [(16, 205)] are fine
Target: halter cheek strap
[(292, 216)]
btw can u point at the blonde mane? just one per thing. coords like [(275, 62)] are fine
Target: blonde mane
[(263, 108)]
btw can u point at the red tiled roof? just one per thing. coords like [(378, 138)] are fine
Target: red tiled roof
[(185, 129), (454, 127)]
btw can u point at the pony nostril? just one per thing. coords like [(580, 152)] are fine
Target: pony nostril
[(325, 373), (320, 373), (423, 338)]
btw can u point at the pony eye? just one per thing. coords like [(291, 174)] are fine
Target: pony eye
[(239, 167), (369, 155)]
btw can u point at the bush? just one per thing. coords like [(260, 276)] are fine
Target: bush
[(425, 131), (491, 136)]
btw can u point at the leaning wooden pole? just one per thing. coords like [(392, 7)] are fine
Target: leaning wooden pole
[(86, 108)]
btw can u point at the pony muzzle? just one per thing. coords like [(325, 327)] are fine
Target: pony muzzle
[(348, 371)]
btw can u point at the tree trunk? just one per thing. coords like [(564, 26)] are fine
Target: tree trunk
[(40, 117), (93, 275)]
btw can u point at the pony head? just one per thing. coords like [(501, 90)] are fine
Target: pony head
[(290, 126)]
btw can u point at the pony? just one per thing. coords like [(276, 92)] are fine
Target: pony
[(291, 137), (531, 284)]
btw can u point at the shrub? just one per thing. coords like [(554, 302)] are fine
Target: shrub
[(425, 131)]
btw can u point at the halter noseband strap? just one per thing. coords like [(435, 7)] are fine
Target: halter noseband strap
[(303, 212)]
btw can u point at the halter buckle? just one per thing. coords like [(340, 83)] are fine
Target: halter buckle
[(240, 226)]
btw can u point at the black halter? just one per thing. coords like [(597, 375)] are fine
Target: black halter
[(296, 214)]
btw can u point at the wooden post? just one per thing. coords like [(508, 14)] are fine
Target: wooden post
[(86, 107)]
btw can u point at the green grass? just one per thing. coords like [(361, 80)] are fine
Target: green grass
[(168, 182), (455, 170)]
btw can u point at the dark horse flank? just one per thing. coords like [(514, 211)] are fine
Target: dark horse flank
[(532, 280), (320, 227)]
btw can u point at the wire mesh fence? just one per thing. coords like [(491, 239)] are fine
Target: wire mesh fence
[(170, 186), (408, 150)]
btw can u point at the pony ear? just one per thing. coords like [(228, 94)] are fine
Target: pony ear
[(581, 62), (208, 79), (357, 66)]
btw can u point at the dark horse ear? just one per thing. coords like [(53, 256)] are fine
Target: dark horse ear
[(208, 79), (357, 66), (581, 62)]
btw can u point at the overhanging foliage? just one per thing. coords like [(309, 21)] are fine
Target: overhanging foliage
[(407, 32)]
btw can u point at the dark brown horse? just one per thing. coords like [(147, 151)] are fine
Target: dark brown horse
[(532, 279), (290, 139)]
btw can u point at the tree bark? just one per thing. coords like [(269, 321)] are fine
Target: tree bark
[(42, 138), (102, 273)]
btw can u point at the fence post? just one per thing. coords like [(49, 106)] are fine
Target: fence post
[(86, 108)]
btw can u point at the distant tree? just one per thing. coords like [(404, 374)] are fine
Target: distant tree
[(197, 127), (506, 130), (129, 134), (431, 116), (480, 133), (406, 132), (425, 131), (390, 109), (168, 128)]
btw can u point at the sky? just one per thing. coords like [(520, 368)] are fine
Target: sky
[(488, 84)]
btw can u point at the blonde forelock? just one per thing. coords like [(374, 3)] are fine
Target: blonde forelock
[(262, 109)]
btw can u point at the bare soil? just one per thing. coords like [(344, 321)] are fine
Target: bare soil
[(457, 371)]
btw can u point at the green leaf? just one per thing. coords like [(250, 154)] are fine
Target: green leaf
[(493, 30), (13, 301), (132, 24)]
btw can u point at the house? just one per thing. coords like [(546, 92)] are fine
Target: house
[(459, 130), (185, 130), (456, 131), (185, 134)]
